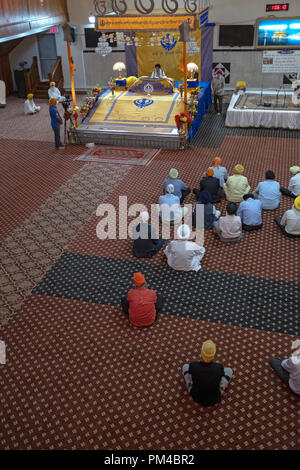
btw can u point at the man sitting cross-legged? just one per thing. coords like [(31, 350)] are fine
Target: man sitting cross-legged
[(207, 380), (141, 304)]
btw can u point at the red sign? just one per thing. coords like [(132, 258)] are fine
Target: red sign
[(54, 30), (277, 7)]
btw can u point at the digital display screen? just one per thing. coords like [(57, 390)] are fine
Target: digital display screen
[(277, 7), (279, 33)]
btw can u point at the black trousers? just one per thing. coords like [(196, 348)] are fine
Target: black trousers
[(275, 363), (218, 100), (286, 192), (249, 228), (184, 194), (282, 228), (158, 305)]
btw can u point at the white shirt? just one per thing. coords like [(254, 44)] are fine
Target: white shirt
[(291, 221), (158, 74), (30, 107), (292, 366), (184, 255), (294, 185), (54, 92)]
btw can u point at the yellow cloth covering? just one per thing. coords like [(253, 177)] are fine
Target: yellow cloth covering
[(121, 109)]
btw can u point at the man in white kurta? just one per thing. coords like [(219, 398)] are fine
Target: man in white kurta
[(54, 92), (2, 94), (29, 106), (182, 254)]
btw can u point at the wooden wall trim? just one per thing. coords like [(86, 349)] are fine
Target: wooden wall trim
[(23, 17)]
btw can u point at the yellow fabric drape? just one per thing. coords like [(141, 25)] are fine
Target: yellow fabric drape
[(148, 56)]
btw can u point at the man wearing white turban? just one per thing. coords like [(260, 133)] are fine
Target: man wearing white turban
[(182, 254)]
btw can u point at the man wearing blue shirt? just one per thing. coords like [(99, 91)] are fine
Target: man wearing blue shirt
[(268, 192), (56, 122), (180, 188), (169, 206), (250, 212)]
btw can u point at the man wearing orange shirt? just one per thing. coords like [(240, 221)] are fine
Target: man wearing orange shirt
[(141, 304)]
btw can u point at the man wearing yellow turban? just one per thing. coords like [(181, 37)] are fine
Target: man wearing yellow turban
[(30, 106), (237, 185), (54, 92)]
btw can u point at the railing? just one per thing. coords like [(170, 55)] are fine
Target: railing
[(57, 75), (32, 77)]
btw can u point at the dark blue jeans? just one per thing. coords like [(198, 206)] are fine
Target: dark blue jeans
[(56, 130)]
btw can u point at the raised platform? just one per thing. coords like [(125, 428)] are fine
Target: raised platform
[(127, 119), (269, 109)]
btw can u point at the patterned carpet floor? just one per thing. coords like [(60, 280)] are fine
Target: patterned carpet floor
[(78, 375)]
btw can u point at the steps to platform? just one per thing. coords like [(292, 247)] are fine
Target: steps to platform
[(122, 137)]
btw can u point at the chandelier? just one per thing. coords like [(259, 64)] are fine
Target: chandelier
[(103, 47)]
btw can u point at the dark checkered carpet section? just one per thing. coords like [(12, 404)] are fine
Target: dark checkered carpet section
[(247, 301), (213, 130)]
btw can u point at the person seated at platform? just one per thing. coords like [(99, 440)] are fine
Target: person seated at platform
[(141, 304), (229, 228), (158, 72), (29, 106), (268, 192), (288, 370), (211, 215), (206, 380), (169, 206), (182, 254), (237, 185), (290, 222), (211, 184), (218, 86), (250, 212), (294, 184), (220, 172), (180, 188), (54, 92), (146, 243)]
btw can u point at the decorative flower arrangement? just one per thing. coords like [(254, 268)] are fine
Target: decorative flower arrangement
[(96, 90), (182, 119), (90, 101)]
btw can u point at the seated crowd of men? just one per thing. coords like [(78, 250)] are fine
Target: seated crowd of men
[(206, 380)]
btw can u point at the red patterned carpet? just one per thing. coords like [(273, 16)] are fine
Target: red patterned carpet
[(77, 375)]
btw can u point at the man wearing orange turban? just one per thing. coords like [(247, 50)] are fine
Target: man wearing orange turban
[(220, 172), (211, 184), (141, 304), (56, 122)]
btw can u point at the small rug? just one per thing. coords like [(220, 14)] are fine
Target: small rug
[(123, 156)]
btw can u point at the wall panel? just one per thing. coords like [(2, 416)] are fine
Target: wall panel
[(22, 17)]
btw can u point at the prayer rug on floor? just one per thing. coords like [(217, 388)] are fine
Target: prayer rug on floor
[(123, 156)]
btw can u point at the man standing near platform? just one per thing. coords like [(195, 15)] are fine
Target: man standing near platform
[(217, 86), (158, 72)]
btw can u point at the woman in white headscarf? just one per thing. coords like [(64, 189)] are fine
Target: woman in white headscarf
[(182, 254)]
